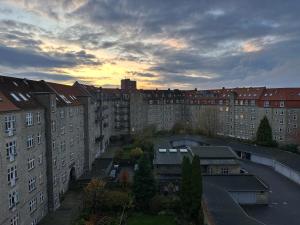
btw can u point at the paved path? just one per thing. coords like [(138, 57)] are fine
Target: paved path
[(69, 210), (284, 197), (70, 207)]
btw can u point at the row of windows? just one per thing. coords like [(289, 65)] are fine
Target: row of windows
[(10, 121)]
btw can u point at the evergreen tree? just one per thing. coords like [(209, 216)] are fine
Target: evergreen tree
[(185, 189), (196, 191), (264, 133), (144, 187)]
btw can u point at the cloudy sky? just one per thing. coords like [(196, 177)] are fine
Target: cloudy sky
[(160, 43)]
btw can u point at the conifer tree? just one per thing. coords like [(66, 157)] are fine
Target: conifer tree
[(196, 191), (144, 187), (264, 133), (185, 189)]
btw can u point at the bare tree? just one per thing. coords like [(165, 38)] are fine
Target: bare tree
[(208, 120)]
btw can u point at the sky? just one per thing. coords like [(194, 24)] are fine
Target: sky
[(182, 44)]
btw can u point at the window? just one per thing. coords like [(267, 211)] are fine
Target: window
[(62, 130), (63, 146), (71, 142), (41, 197), (38, 138), (34, 222), (32, 205), (62, 114), (30, 163), (71, 112), (13, 197), (295, 117), (29, 142), (224, 170), (11, 150), (14, 220), (53, 146), (63, 162), (31, 184), (38, 117), (41, 178), (281, 121), (71, 127), (10, 123), (72, 156), (40, 159), (53, 126), (266, 104), (12, 175), (281, 103), (29, 119)]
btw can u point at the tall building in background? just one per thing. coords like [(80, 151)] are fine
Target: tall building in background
[(128, 85)]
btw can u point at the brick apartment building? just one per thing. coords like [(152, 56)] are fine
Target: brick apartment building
[(50, 134)]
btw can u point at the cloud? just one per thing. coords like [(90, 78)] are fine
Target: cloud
[(193, 43), (20, 57)]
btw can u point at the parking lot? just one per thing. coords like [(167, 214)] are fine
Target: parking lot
[(284, 197)]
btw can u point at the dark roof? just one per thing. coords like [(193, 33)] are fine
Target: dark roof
[(289, 159), (170, 158), (19, 92), (66, 95), (223, 209), (239, 182), (214, 152)]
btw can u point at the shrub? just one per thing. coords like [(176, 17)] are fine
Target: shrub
[(136, 153), (115, 200), (158, 203), (93, 193)]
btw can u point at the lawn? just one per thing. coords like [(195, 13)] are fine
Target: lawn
[(142, 219)]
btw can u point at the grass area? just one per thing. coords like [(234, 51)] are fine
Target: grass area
[(142, 219)]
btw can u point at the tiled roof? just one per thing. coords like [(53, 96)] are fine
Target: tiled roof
[(277, 94), (6, 104)]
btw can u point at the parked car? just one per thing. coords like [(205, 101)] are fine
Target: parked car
[(113, 174)]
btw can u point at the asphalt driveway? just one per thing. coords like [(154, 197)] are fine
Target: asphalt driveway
[(284, 204)]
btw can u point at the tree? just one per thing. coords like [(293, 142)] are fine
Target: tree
[(196, 191), (264, 133), (185, 189), (144, 187), (208, 120), (124, 178), (136, 153), (93, 192)]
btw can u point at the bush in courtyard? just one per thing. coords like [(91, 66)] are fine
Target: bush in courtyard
[(136, 153), (115, 200), (158, 203), (94, 192)]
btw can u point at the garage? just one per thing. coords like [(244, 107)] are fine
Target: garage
[(245, 189)]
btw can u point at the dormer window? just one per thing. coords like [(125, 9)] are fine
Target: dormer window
[(281, 104)]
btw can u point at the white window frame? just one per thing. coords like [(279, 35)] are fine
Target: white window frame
[(30, 163), (38, 117), (30, 141), (29, 119), (11, 150)]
